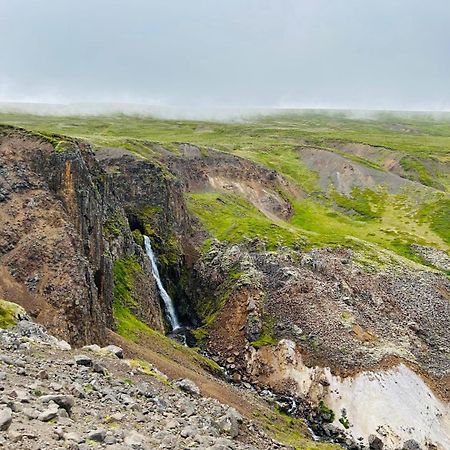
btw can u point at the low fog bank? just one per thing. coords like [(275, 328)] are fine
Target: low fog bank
[(206, 114)]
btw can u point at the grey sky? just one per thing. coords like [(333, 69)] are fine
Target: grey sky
[(229, 53)]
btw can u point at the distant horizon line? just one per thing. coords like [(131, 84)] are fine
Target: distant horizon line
[(132, 108)]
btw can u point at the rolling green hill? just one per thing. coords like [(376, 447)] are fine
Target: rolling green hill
[(382, 179)]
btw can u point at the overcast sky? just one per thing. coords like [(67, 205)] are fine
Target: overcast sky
[(392, 54)]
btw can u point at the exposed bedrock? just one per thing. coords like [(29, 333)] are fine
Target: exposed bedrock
[(61, 232)]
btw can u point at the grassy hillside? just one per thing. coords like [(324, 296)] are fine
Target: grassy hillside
[(391, 213)]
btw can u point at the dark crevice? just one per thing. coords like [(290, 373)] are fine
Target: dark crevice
[(176, 277)]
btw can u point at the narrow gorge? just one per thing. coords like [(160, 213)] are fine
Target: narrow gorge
[(289, 287), (167, 301)]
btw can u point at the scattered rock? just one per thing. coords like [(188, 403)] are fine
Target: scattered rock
[(48, 414), (411, 445), (43, 374), (5, 418), (73, 436), (134, 439), (229, 425), (188, 386), (98, 368), (64, 401), (114, 350), (83, 360), (97, 435), (30, 413), (375, 443), (110, 440), (92, 348)]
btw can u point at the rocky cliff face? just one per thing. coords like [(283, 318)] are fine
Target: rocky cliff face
[(315, 325), (62, 230), (154, 203), (342, 332), (327, 327)]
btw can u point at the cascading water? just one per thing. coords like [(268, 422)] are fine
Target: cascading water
[(168, 303)]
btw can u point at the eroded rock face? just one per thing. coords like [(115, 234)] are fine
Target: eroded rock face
[(56, 259), (210, 169), (154, 203), (326, 313), (390, 405), (315, 324), (344, 313)]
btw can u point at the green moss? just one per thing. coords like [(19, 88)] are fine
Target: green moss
[(9, 313), (284, 159), (138, 237), (292, 431), (147, 216), (131, 328), (345, 422), (147, 213), (37, 393), (231, 218), (416, 170), (437, 214), (234, 275), (115, 225), (128, 325), (267, 336), (431, 134), (386, 220), (367, 203), (200, 335), (276, 142), (206, 246), (169, 252), (60, 143), (209, 307), (166, 246), (327, 413), (149, 370), (123, 276)]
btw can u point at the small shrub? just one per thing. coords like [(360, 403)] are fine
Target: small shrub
[(326, 413)]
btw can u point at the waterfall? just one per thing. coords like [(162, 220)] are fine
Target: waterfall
[(168, 303)]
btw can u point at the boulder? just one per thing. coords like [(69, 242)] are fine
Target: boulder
[(97, 435), (5, 418), (114, 350), (63, 401), (83, 360), (375, 443), (188, 386), (411, 444), (48, 414)]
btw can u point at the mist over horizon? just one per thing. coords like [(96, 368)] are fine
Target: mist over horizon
[(213, 114), (200, 58)]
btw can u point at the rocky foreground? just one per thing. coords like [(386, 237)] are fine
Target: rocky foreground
[(53, 397)]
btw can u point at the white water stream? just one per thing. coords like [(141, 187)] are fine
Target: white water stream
[(168, 303)]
